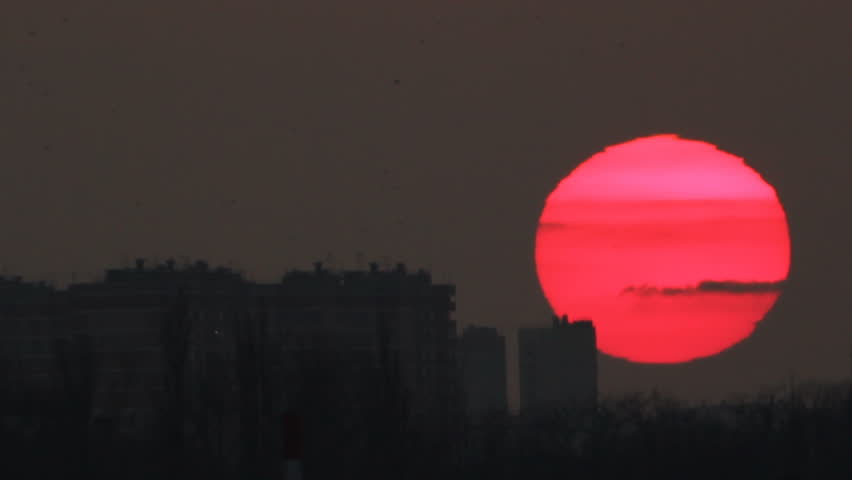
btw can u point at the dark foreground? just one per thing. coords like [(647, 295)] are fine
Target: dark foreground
[(804, 433)]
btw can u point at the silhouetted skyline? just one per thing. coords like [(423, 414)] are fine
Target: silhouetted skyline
[(174, 370)]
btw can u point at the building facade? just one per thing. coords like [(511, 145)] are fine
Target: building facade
[(482, 357), (370, 320), (30, 314), (132, 320), (558, 365)]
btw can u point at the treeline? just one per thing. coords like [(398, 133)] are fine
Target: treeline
[(797, 433), (791, 435)]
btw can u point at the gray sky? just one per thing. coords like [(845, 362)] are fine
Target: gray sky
[(272, 133)]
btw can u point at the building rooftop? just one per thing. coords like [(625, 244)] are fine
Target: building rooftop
[(392, 281), (563, 321), (169, 270)]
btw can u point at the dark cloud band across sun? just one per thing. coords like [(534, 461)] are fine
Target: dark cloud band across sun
[(708, 286)]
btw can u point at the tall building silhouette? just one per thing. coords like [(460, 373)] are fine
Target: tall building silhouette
[(558, 365), (482, 352)]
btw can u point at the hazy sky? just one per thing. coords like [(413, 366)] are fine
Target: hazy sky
[(272, 133)]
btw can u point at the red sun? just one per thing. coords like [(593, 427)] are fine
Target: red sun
[(673, 248)]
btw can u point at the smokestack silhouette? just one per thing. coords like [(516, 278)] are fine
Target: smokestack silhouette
[(291, 431)]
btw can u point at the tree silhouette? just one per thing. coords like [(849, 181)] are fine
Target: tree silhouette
[(77, 370), (176, 327), (250, 339)]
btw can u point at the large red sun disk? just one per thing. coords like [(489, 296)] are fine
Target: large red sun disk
[(673, 248)]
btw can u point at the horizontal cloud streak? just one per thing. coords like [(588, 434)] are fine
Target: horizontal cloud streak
[(708, 286)]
